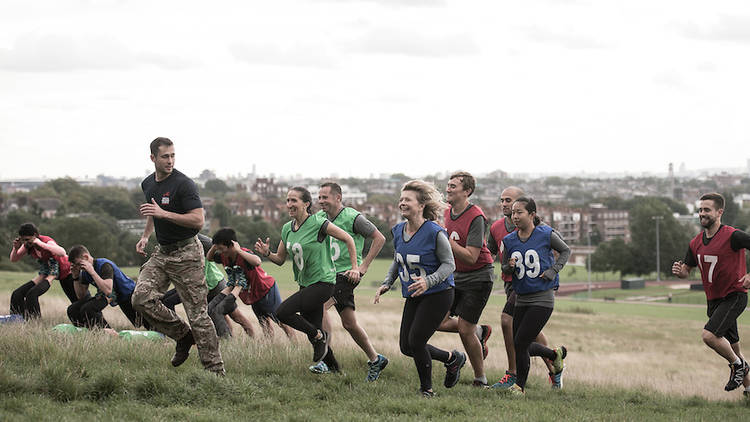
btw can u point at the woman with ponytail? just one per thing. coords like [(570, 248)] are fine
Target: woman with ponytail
[(307, 237), (424, 264), (528, 257)]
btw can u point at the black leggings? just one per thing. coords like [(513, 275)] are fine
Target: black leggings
[(528, 322), (87, 312), (25, 299), (421, 318), (67, 286), (303, 311)]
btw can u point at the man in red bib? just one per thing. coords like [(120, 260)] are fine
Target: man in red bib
[(465, 224), (719, 253)]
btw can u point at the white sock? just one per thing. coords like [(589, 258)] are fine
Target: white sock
[(483, 379), (479, 331), (738, 362)]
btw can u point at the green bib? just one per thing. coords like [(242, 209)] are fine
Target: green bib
[(213, 275), (311, 260), (339, 252)]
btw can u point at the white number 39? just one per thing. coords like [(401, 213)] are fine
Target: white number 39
[(528, 264)]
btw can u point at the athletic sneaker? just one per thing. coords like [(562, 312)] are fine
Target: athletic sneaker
[(560, 354), (486, 333), (478, 383), (320, 368), (516, 390), (453, 369), (427, 394), (373, 372), (556, 379), (508, 380), (736, 375), (320, 347)]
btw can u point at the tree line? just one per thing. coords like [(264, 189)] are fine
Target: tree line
[(88, 215)]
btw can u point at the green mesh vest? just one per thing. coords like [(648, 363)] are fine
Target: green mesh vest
[(339, 252), (311, 260)]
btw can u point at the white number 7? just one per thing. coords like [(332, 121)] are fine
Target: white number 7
[(712, 259)]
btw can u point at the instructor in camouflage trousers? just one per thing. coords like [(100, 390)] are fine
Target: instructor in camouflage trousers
[(174, 210)]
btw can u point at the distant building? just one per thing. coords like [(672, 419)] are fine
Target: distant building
[(571, 223), (742, 200), (267, 188), (611, 224), (48, 206)]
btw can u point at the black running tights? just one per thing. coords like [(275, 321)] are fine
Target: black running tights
[(421, 318), (528, 322)]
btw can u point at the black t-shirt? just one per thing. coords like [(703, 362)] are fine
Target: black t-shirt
[(178, 194)]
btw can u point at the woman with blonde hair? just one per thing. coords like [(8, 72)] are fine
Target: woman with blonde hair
[(424, 263)]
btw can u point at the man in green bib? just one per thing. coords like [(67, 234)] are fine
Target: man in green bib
[(359, 228)]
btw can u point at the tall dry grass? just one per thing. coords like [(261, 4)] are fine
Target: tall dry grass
[(653, 354)]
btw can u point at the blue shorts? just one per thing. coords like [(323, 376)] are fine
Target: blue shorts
[(265, 308)]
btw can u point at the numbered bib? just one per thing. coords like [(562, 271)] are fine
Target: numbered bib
[(528, 264), (411, 263), (299, 259)]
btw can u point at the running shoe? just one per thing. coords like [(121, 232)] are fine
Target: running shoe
[(556, 379), (516, 390), (453, 369), (560, 354), (736, 375), (320, 347), (478, 383), (508, 380), (428, 394), (373, 372), (320, 368), (486, 333)]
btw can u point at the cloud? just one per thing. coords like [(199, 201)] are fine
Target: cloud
[(566, 39), (410, 43), (728, 28), (669, 78), (53, 53), (397, 3), (296, 55)]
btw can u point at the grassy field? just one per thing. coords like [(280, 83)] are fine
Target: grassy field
[(627, 361)]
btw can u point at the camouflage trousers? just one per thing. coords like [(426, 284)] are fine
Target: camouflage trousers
[(184, 268)]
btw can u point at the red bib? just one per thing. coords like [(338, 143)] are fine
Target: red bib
[(721, 267), (458, 230), (498, 232)]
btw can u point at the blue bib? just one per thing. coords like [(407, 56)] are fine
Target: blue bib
[(122, 285), (533, 257), (418, 257)]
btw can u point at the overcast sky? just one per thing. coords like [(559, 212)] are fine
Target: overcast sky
[(364, 87)]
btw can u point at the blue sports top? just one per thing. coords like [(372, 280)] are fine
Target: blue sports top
[(122, 285), (417, 256), (533, 257)]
